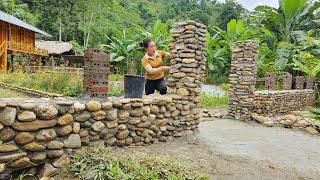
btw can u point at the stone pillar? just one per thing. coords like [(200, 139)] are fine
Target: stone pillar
[(299, 83), (188, 67), (287, 82), (270, 81), (96, 71), (242, 79), (309, 83)]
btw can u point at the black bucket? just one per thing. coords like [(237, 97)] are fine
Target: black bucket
[(133, 86)]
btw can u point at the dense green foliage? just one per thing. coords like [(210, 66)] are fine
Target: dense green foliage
[(288, 35), (90, 23), (106, 163), (119, 25)]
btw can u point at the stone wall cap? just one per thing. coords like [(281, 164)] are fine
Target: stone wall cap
[(68, 102), (283, 91)]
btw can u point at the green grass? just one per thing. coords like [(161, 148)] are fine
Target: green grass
[(61, 83), (5, 93), (115, 91), (225, 86), (115, 77), (214, 101), (105, 163)]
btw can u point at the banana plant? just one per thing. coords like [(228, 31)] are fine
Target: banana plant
[(217, 57), (309, 65), (122, 47), (159, 33), (236, 31), (311, 69), (219, 47), (284, 53), (290, 16)]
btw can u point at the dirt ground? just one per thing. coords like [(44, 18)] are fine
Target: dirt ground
[(250, 151), (229, 149)]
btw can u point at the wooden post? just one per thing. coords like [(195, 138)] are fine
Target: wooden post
[(12, 63), (3, 60)]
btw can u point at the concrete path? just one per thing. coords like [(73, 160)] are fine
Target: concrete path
[(283, 148)]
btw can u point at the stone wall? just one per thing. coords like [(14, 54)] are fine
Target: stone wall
[(244, 100), (242, 80), (271, 103), (38, 131)]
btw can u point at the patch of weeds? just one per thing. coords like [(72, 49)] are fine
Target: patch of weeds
[(105, 163), (6, 93), (314, 113), (115, 77), (115, 91), (25, 175), (225, 86), (213, 101), (63, 83)]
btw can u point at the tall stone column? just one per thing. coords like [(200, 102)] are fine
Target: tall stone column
[(188, 67), (242, 79)]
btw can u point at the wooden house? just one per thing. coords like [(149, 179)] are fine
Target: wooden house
[(17, 36)]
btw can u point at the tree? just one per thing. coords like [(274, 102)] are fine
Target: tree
[(55, 17), (227, 11), (19, 10)]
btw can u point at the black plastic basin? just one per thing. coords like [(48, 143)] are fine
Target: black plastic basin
[(133, 86)]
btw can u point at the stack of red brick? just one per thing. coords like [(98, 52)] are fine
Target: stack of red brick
[(96, 71)]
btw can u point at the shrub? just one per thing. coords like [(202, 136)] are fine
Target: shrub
[(105, 163), (115, 91)]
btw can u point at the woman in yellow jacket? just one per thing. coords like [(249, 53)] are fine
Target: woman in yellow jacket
[(154, 69)]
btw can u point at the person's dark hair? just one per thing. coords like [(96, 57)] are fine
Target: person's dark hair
[(145, 43)]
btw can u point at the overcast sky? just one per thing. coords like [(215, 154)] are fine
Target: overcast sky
[(251, 4)]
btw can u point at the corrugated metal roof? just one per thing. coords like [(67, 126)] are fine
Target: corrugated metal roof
[(13, 20)]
